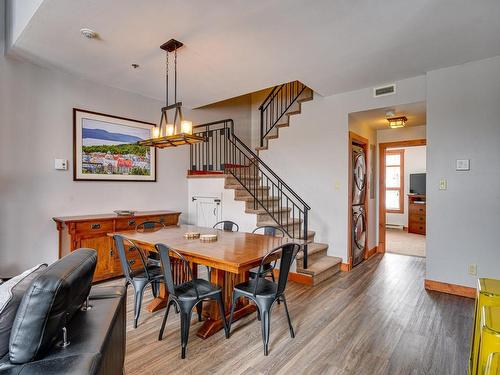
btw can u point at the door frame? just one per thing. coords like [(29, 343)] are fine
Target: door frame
[(364, 143), (382, 148)]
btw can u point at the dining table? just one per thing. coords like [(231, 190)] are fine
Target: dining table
[(230, 258)]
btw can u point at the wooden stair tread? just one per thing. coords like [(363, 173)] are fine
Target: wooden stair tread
[(251, 199), (261, 210), (273, 223), (320, 265), (241, 187), (313, 248)]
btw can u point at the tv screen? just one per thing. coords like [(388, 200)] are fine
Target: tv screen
[(417, 183)]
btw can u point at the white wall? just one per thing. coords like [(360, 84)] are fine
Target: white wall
[(414, 162), (463, 122), (312, 155), (36, 126), (402, 134), (231, 209)]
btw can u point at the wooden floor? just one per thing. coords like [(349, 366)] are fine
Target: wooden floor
[(376, 319)]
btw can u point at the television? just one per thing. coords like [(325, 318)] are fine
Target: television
[(417, 183)]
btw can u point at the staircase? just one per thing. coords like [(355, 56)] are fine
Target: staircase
[(265, 194), (283, 102)]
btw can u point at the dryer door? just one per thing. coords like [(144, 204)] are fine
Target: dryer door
[(359, 176), (358, 234)]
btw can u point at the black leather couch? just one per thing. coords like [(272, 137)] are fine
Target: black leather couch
[(55, 302)]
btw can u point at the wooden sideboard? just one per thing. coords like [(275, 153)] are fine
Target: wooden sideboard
[(91, 231), (416, 214)]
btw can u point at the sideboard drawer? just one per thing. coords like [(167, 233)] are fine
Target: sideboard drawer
[(418, 209), (128, 224), (95, 226), (418, 228), (417, 218)]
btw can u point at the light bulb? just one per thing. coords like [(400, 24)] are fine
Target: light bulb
[(155, 132), (186, 127), (169, 129)]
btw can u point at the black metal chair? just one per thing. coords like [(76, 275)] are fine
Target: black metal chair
[(265, 292), (187, 295), (153, 259), (227, 226), (139, 278), (268, 269)]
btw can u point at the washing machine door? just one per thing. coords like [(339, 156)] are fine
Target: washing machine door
[(358, 176), (358, 234)]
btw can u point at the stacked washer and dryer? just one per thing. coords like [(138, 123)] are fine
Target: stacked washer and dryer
[(359, 178)]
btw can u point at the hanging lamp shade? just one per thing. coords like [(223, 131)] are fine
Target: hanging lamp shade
[(179, 131)]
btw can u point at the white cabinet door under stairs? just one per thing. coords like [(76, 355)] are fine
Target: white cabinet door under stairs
[(207, 210)]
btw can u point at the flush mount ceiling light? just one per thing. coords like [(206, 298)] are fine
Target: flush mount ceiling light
[(397, 122), (180, 131)]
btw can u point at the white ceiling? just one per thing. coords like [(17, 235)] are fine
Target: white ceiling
[(234, 47), (376, 118)]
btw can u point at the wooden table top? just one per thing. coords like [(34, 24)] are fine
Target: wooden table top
[(233, 251)]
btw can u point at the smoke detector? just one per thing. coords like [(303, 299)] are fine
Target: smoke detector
[(88, 33)]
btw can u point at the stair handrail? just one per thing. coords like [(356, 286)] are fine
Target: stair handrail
[(281, 97), (220, 135), (254, 155)]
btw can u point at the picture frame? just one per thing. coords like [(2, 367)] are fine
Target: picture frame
[(105, 149)]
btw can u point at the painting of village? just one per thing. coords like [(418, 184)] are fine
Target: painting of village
[(109, 150)]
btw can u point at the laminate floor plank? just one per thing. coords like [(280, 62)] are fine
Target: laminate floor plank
[(376, 319)]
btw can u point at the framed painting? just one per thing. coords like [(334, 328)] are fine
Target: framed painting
[(105, 148)]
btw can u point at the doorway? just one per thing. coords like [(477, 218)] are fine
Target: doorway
[(402, 203)]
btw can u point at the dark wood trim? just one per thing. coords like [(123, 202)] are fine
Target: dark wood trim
[(297, 277), (381, 184), (75, 110), (371, 252), (346, 267), (457, 290), (362, 142)]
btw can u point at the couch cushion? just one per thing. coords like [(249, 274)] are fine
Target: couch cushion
[(11, 294), (49, 304)]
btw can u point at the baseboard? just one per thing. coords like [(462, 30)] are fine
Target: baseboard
[(296, 277), (457, 290), (345, 267), (371, 252), (405, 229)]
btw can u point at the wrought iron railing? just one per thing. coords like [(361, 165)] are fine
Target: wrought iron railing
[(276, 104), (224, 152)]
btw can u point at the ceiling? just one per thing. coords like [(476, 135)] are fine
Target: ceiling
[(234, 47), (376, 118)]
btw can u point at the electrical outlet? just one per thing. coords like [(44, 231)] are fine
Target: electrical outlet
[(472, 270), (61, 164), (443, 184)]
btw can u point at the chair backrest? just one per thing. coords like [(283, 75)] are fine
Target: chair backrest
[(120, 243), (149, 226), (167, 265), (270, 231), (288, 253), (227, 225)]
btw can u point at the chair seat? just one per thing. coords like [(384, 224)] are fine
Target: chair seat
[(266, 268), (187, 291), (155, 272), (265, 288)]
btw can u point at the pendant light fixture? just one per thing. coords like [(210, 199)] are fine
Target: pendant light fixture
[(179, 131)]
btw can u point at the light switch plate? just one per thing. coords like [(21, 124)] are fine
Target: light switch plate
[(472, 269), (463, 165), (443, 184), (61, 164)]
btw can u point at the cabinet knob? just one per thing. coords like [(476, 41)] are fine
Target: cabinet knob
[(95, 226), (131, 222)]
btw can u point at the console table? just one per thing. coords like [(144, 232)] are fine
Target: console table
[(92, 231), (416, 213)]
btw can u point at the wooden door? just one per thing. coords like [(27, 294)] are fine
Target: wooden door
[(102, 244)]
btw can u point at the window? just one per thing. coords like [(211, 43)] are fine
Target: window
[(394, 181)]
